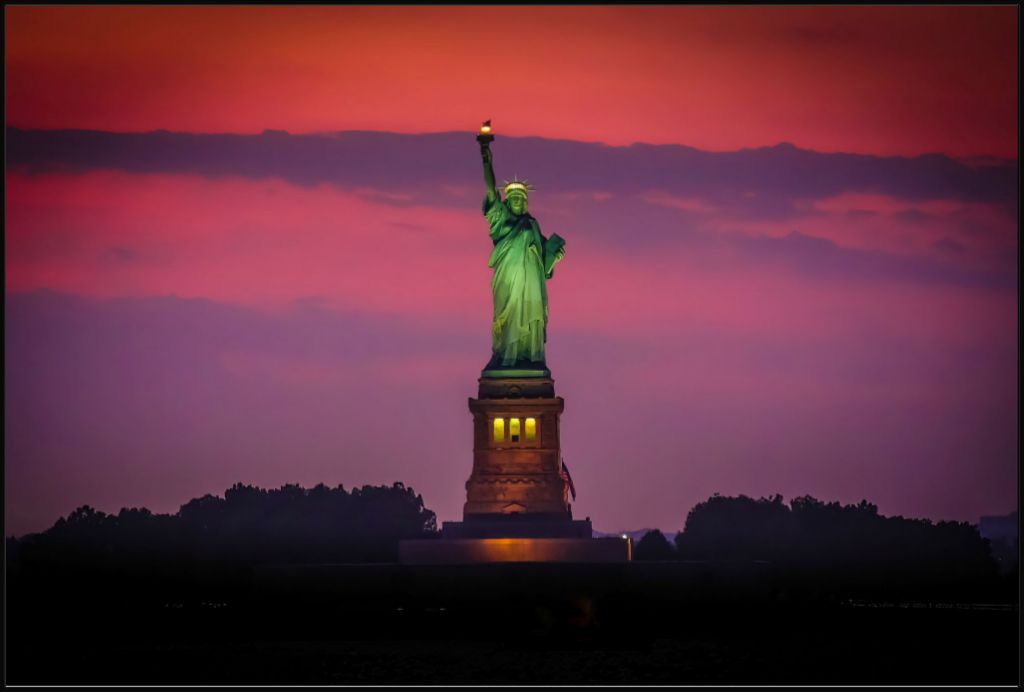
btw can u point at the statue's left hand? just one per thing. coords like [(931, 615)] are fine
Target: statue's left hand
[(560, 254)]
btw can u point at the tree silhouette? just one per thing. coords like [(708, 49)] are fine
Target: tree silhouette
[(653, 546), (851, 546), (248, 526)]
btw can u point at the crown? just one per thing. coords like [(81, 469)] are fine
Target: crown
[(517, 186)]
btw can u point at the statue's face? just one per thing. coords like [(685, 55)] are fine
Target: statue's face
[(517, 203)]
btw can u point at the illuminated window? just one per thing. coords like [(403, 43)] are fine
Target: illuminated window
[(499, 429), (531, 429), (513, 430)]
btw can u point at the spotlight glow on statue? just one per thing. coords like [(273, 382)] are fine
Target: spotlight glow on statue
[(523, 260)]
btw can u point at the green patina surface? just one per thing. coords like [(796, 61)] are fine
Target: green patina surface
[(522, 260), (511, 372), (519, 327)]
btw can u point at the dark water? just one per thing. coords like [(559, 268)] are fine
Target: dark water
[(506, 625)]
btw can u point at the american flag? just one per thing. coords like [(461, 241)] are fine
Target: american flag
[(567, 477)]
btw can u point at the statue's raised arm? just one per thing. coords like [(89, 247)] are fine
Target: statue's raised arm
[(485, 138), (492, 191)]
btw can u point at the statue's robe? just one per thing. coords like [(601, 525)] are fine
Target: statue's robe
[(519, 258)]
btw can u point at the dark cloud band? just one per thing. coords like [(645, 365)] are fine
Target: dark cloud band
[(752, 179)]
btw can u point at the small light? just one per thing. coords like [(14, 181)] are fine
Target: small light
[(485, 129), (625, 536)]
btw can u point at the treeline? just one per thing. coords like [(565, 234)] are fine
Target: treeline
[(852, 546), (248, 526)]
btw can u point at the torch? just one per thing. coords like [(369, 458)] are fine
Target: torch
[(485, 137)]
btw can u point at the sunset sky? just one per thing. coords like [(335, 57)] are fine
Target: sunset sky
[(245, 244)]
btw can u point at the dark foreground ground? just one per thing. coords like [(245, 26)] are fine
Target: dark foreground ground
[(655, 623)]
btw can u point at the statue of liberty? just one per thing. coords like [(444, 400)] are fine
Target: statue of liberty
[(523, 260)]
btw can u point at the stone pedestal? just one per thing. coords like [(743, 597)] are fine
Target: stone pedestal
[(517, 497), (516, 452), (518, 526)]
